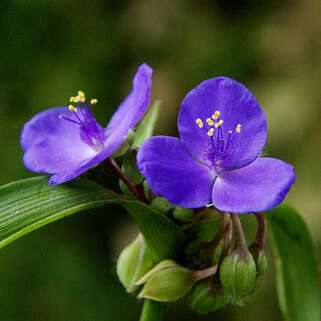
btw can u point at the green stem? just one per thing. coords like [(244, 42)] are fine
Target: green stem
[(152, 311)]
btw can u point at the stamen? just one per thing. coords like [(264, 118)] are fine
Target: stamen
[(199, 122), (219, 123), (79, 98), (209, 121), (238, 128), (210, 132), (216, 115), (72, 108), (93, 101), (66, 118)]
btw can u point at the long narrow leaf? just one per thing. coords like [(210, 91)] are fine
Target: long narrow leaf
[(298, 291), (28, 204)]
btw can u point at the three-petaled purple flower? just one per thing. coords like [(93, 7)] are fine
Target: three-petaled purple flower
[(217, 158), (67, 142)]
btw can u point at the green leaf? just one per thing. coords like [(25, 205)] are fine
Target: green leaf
[(162, 236), (296, 276), (28, 204), (146, 127)]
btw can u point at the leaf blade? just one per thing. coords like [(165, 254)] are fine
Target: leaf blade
[(19, 217), (299, 295), (29, 204)]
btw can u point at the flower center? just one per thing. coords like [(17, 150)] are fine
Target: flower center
[(220, 141), (89, 130)]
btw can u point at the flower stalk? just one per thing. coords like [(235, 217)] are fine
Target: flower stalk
[(138, 193), (240, 241), (205, 273), (261, 235)]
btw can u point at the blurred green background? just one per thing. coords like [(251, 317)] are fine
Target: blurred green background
[(50, 49)]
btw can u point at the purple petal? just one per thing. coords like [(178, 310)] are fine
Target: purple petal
[(134, 106), (80, 168), (52, 144), (237, 106), (257, 187), (173, 174)]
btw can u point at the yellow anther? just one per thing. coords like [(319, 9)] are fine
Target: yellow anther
[(209, 121), (199, 122), (210, 132), (216, 115), (81, 96), (238, 128), (93, 101), (219, 123), (74, 99), (72, 108)]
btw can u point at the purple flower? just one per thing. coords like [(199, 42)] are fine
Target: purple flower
[(217, 158), (67, 142)]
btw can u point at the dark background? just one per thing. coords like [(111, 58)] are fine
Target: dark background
[(51, 49)]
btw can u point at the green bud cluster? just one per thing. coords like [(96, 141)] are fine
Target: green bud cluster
[(214, 274)]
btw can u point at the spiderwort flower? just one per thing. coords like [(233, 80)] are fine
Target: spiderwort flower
[(217, 159), (67, 142)]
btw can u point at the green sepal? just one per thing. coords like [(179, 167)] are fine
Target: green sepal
[(167, 283), (147, 125), (134, 262), (160, 266), (130, 167), (121, 150)]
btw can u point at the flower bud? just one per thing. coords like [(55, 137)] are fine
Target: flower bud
[(133, 262), (183, 214), (161, 204), (167, 282), (238, 274), (260, 260), (205, 298)]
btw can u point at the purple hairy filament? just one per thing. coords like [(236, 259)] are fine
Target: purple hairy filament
[(90, 131), (220, 147)]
